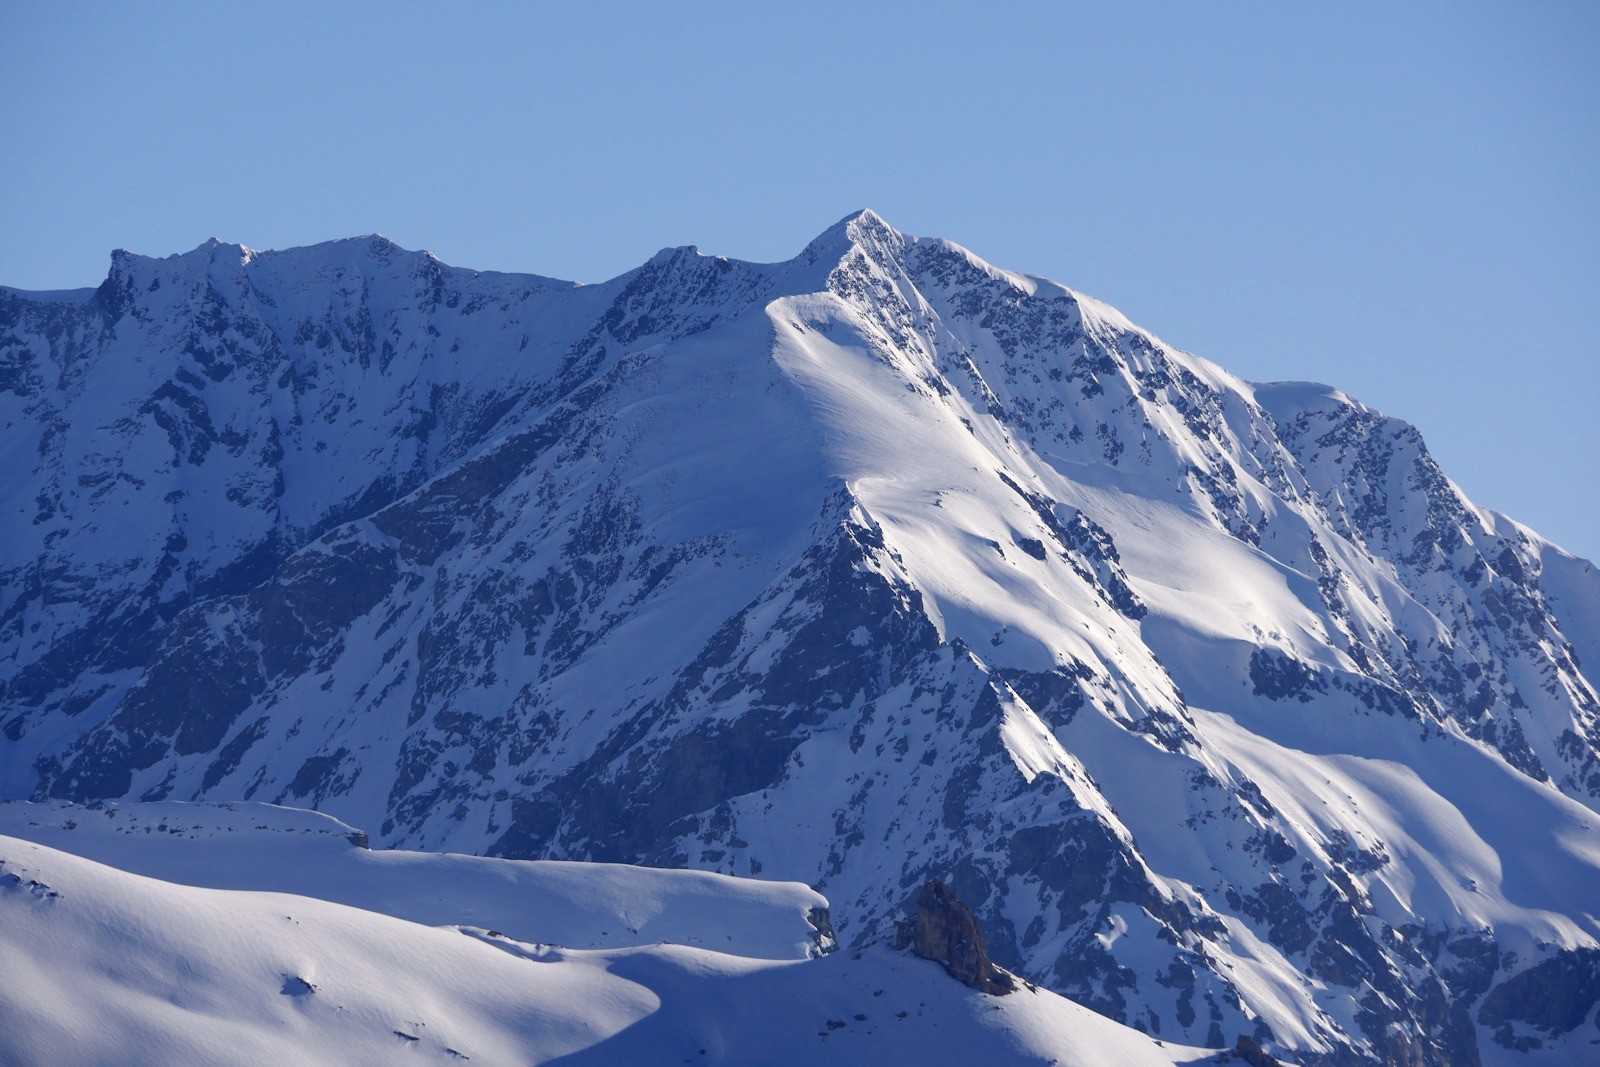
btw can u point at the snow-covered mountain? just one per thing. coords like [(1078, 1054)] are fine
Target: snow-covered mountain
[(1219, 703)]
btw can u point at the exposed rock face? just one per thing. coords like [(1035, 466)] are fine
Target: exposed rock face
[(1549, 1000), (1250, 1052), (1217, 702), (822, 931), (943, 929)]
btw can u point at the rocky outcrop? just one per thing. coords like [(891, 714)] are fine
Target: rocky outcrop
[(1249, 1051), (822, 935), (943, 930)]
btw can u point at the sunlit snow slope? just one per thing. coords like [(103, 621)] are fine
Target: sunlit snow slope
[(1220, 704), (107, 967)]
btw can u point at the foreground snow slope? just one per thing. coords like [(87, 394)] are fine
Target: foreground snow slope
[(1218, 701), (106, 967)]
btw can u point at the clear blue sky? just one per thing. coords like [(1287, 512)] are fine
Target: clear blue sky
[(1402, 200)]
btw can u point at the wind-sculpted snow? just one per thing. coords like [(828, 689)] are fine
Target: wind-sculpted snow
[(1221, 706), (264, 848)]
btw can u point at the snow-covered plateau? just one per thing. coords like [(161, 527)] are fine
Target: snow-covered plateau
[(1220, 705)]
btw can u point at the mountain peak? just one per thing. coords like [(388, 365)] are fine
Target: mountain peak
[(864, 229), (211, 250), (215, 249), (672, 252), (865, 217), (863, 225), (212, 257)]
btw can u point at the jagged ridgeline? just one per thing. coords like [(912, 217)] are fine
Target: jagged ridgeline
[(1217, 702)]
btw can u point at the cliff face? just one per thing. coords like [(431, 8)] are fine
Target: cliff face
[(1217, 702)]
